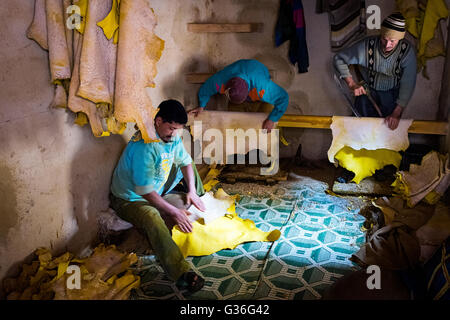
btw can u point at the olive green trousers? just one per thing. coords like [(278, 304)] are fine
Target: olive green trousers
[(149, 221)]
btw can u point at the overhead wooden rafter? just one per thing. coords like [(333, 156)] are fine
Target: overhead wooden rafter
[(224, 27), (201, 77)]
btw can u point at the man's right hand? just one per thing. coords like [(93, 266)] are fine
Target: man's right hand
[(195, 112), (181, 219), (356, 88)]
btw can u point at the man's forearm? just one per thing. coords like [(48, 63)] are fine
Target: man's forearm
[(188, 174), (155, 200)]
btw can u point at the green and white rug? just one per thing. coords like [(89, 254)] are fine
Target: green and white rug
[(319, 232)]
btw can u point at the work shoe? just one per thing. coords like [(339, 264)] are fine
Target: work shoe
[(387, 174), (191, 281), (345, 176)]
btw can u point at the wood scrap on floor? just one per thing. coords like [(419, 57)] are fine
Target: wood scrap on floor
[(234, 173), (368, 186)]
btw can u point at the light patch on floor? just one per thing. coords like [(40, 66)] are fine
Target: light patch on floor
[(319, 233)]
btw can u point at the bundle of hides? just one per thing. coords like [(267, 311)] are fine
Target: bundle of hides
[(409, 237), (104, 275), (427, 181), (422, 21), (99, 73), (364, 145), (219, 227)]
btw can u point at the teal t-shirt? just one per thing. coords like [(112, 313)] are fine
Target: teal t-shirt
[(145, 167)]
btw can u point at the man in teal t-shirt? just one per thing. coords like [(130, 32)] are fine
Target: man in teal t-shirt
[(141, 183), (246, 80)]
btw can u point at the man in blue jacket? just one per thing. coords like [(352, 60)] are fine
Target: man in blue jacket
[(246, 81)]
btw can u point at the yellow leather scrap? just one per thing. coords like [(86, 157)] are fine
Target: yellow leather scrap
[(110, 24), (46, 277), (210, 184), (282, 138), (211, 179), (81, 119), (226, 232), (364, 162)]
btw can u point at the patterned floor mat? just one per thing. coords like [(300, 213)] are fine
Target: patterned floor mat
[(319, 233)]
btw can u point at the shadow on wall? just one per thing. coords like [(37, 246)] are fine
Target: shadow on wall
[(91, 172), (9, 215), (260, 12), (178, 88)]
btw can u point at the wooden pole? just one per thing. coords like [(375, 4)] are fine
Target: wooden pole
[(224, 27), (324, 122)]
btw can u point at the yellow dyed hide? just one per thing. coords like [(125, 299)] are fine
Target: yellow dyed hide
[(364, 162), (223, 233)]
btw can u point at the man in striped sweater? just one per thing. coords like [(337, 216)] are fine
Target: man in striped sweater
[(387, 64)]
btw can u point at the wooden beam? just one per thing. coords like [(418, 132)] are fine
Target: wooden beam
[(197, 77), (202, 77), (223, 27), (324, 122)]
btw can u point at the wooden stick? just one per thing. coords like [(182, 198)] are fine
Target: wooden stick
[(223, 27)]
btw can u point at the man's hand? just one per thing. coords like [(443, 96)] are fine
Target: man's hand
[(193, 198), (357, 89), (181, 219), (195, 112), (394, 118), (268, 125)]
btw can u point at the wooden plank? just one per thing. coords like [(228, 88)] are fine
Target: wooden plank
[(197, 77), (202, 77), (223, 27), (367, 186), (324, 122)]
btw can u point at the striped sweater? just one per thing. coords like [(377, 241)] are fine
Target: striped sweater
[(381, 72)]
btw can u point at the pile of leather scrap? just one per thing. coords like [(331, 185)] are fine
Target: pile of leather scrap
[(427, 181), (104, 275), (93, 66), (409, 236)]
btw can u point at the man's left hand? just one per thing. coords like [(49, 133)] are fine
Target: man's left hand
[(394, 118), (268, 125), (193, 198)]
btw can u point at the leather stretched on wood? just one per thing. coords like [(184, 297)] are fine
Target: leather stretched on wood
[(215, 122), (137, 42)]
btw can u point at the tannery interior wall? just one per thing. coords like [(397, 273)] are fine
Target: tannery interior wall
[(54, 175)]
